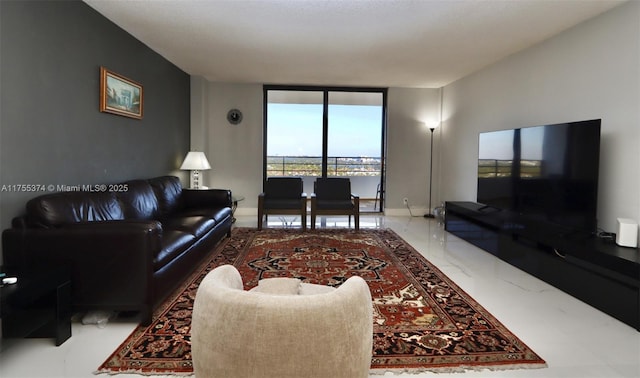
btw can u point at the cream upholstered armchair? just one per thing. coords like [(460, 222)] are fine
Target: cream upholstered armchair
[(281, 328)]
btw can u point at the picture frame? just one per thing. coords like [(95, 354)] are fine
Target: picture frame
[(120, 95)]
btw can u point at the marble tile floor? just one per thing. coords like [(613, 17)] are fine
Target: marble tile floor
[(575, 339)]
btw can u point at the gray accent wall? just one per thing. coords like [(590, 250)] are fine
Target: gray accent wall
[(51, 129)]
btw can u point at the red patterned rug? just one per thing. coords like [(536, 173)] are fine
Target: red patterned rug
[(422, 320)]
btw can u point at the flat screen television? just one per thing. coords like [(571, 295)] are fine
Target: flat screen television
[(547, 173)]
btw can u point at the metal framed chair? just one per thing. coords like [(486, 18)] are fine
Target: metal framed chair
[(282, 195), (332, 196), (378, 197)]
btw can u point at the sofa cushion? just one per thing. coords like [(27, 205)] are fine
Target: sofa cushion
[(139, 200), (220, 214), (168, 190), (217, 214), (174, 242), (58, 209), (196, 225)]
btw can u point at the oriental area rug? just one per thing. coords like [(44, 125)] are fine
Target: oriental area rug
[(422, 320)]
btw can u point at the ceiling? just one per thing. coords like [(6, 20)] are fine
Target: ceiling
[(425, 44)]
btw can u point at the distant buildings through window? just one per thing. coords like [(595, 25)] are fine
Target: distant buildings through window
[(326, 132)]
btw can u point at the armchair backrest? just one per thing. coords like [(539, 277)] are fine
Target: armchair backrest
[(332, 188), (280, 336), (283, 187)]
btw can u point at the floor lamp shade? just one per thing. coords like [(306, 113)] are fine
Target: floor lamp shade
[(195, 161)]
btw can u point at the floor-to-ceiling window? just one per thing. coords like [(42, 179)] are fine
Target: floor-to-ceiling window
[(327, 132)]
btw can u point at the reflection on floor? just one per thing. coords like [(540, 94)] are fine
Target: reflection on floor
[(292, 221), (575, 339)]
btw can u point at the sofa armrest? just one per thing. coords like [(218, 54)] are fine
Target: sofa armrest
[(198, 198), (111, 262)]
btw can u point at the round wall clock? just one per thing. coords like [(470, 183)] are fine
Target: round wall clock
[(234, 116)]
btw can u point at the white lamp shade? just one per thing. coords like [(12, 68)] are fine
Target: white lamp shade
[(195, 161)]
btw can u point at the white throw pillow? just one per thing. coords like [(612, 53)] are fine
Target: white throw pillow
[(278, 286)]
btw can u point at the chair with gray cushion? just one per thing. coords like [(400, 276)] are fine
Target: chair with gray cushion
[(282, 328), (332, 196), (283, 195)]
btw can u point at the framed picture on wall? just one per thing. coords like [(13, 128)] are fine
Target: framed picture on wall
[(120, 95)]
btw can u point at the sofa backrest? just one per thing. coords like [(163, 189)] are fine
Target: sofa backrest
[(58, 209), (155, 198), (139, 200), (168, 190)]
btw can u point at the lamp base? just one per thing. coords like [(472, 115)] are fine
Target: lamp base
[(195, 174)]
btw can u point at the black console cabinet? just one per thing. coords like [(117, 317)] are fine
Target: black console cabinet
[(595, 271), (38, 305)]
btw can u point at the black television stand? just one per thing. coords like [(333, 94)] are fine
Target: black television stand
[(594, 270), (488, 209)]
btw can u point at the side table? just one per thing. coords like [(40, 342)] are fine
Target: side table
[(235, 200), (38, 305)]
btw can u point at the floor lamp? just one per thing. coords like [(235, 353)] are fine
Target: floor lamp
[(430, 214)]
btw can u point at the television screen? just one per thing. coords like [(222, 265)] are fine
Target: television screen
[(548, 173)]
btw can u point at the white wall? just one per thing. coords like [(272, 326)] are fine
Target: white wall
[(590, 71), (410, 112), (235, 152)]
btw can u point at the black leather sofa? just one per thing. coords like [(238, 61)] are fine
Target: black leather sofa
[(127, 245)]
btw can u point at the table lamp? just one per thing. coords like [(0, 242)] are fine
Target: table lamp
[(195, 161)]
